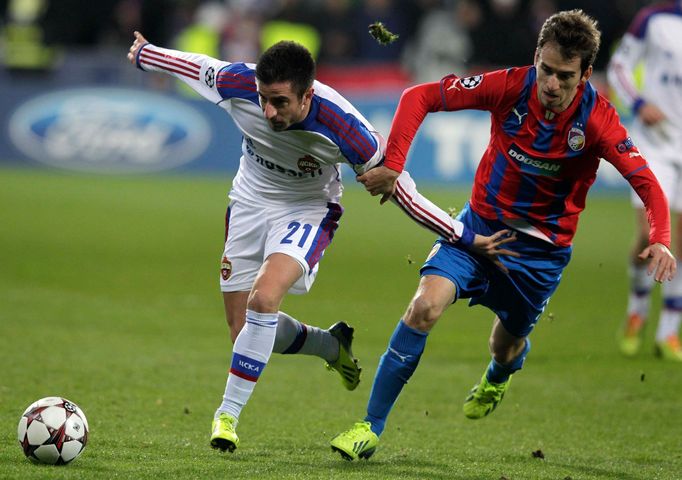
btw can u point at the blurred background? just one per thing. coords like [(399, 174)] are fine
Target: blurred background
[(71, 100)]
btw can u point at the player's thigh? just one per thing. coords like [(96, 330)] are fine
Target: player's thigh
[(277, 275), (303, 233), (246, 230), (434, 294)]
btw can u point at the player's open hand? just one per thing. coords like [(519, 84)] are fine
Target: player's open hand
[(135, 47), (490, 247), (379, 181), (662, 265)]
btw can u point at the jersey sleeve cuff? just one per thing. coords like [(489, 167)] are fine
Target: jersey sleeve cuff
[(467, 237), (137, 57)]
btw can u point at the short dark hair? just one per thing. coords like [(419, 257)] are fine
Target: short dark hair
[(575, 33), (287, 61)]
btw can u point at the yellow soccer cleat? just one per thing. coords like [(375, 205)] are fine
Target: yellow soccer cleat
[(357, 442), (669, 349), (223, 436), (484, 398), (630, 337), (346, 364)]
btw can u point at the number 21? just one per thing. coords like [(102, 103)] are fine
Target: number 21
[(293, 228)]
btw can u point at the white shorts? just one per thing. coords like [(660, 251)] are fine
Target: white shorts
[(253, 233), (666, 163)]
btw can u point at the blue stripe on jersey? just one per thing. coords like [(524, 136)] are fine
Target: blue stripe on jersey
[(641, 23), (558, 207), (237, 81), (526, 194), (519, 113), (324, 234), (352, 137), (543, 136), (495, 182)]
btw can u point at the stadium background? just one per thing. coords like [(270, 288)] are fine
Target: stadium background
[(112, 192), (62, 102)]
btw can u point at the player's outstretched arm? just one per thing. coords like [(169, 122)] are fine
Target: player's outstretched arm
[(662, 265)]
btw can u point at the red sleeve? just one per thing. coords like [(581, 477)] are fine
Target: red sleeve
[(479, 92), (619, 149), (415, 103)]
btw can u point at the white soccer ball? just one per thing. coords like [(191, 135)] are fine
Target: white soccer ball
[(53, 430)]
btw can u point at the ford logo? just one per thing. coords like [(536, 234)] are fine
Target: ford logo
[(109, 130)]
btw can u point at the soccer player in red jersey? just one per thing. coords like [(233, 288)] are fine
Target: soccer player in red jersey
[(550, 128)]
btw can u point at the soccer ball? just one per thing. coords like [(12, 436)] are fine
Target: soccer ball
[(53, 430)]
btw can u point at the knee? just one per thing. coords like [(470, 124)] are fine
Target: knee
[(263, 302), (423, 313)]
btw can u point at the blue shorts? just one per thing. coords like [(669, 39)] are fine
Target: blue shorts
[(517, 298)]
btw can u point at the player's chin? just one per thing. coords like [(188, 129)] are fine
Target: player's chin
[(278, 126)]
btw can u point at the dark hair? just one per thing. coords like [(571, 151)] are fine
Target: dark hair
[(575, 33), (287, 61)]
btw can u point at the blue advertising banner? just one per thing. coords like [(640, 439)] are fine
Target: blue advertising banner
[(126, 130)]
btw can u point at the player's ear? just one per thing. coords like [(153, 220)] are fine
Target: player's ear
[(535, 57), (586, 76)]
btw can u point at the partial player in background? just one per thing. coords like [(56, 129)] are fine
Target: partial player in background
[(550, 128), (284, 205), (654, 40)]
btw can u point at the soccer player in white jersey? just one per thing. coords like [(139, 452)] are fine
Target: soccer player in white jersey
[(654, 40), (284, 205)]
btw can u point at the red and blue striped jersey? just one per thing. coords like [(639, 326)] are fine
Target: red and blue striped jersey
[(539, 165)]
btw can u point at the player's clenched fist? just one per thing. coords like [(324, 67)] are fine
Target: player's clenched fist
[(135, 47)]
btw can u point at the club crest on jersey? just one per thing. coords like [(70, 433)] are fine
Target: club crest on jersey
[(209, 77), (625, 145), (576, 139), (471, 82), (308, 164), (433, 251), (225, 268)]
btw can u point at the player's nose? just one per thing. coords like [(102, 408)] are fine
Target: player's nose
[(269, 111)]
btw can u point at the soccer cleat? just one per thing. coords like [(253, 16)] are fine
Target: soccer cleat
[(484, 398), (223, 436), (357, 442), (345, 364), (630, 337), (669, 349)]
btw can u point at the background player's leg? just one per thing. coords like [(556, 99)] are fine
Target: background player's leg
[(641, 284), (668, 330)]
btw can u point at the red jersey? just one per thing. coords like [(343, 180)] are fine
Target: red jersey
[(539, 165)]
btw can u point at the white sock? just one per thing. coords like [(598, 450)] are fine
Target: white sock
[(250, 354), (669, 322), (639, 299), (297, 337)]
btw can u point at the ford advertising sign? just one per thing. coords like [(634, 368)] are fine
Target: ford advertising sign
[(109, 130)]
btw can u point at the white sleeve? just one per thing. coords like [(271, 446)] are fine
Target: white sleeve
[(196, 70), (427, 214), (620, 72)]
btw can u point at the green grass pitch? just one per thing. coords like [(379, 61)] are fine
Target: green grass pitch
[(109, 297)]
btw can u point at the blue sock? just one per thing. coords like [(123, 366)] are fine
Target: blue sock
[(395, 368), (499, 373)]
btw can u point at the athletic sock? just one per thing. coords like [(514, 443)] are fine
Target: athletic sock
[(395, 368), (500, 373), (669, 322), (297, 337), (641, 284), (250, 354)]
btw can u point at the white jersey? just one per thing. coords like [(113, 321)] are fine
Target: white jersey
[(655, 39), (300, 164)]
